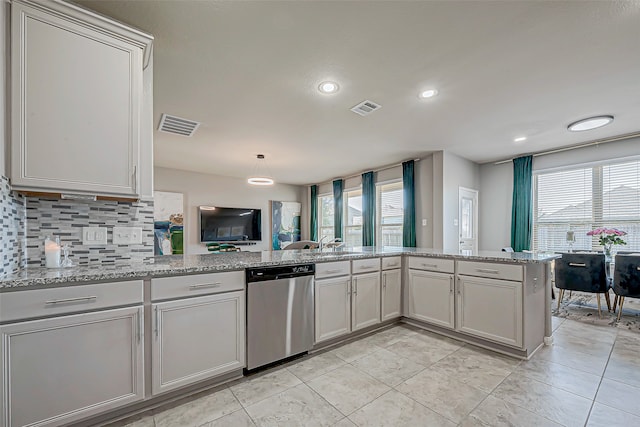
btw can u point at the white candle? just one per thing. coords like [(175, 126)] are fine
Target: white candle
[(51, 254)]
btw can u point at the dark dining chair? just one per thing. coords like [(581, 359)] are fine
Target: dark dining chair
[(626, 279), (584, 273)]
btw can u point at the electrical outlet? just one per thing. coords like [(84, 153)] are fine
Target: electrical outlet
[(424, 222), (94, 236), (127, 235), (455, 222)]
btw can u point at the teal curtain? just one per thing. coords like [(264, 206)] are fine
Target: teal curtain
[(409, 220), (313, 223), (522, 206), (338, 185), (368, 209)]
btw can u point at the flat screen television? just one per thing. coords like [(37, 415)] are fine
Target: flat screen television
[(219, 224)]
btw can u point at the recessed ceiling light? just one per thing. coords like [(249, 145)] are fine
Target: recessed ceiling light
[(590, 123), (429, 93), (520, 139), (328, 87)]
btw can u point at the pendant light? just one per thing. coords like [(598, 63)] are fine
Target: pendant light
[(260, 175)]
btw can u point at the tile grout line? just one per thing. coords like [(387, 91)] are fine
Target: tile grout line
[(593, 402)]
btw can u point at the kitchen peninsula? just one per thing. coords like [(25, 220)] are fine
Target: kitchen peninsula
[(180, 321)]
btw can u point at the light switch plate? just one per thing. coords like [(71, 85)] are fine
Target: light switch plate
[(127, 235), (455, 222), (94, 236), (424, 222)]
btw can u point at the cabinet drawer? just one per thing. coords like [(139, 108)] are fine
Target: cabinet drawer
[(332, 269), (197, 284), (432, 264), (486, 269), (365, 265), (391, 262), (71, 299)]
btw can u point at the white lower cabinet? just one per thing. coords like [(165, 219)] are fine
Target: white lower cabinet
[(365, 300), (391, 294), (59, 370), (491, 309), (431, 297), (332, 307), (197, 338)]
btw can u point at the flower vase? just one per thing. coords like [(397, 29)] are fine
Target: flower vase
[(608, 259)]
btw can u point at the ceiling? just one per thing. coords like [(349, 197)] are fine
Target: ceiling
[(249, 71)]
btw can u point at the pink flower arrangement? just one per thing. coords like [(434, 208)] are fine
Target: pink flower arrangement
[(608, 236)]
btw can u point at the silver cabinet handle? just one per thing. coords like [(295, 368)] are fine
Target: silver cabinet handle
[(487, 270), (156, 330), (577, 264), (430, 265), (355, 286), (140, 324), (459, 286), (78, 299), (450, 284), (205, 285), (384, 281), (332, 271), (135, 178)]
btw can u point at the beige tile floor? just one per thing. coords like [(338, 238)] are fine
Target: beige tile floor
[(407, 377)]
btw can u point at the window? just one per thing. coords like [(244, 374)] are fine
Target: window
[(352, 235), (389, 214), (325, 217), (605, 195)]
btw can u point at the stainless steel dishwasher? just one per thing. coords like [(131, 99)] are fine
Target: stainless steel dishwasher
[(280, 313)]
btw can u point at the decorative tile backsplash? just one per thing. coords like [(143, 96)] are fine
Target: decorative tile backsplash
[(65, 218), (12, 225)]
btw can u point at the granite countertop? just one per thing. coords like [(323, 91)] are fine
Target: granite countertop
[(175, 265)]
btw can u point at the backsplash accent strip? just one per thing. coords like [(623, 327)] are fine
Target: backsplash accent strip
[(12, 225), (65, 218)]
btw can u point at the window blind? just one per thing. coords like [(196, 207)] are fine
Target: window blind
[(581, 199), (389, 214), (353, 217), (325, 217)]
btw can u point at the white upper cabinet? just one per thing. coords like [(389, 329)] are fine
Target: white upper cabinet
[(77, 101)]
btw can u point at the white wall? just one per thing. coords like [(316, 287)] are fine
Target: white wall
[(204, 189), (424, 181), (497, 185), (495, 206), (457, 172), (4, 6)]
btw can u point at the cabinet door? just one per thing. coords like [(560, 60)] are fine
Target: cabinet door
[(333, 308), (431, 298), (365, 300), (391, 294), (490, 309), (77, 93), (197, 338), (58, 370)]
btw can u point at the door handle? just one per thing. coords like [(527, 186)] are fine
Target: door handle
[(577, 264), (355, 286), (140, 324), (451, 284)]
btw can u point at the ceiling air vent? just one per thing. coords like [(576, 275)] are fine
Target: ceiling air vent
[(366, 107), (177, 125)]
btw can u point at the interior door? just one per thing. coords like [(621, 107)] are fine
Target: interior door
[(468, 224)]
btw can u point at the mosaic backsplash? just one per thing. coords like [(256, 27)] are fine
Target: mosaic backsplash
[(12, 237), (65, 218)]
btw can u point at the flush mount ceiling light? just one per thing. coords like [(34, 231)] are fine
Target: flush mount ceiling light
[(260, 175), (429, 93), (520, 139), (590, 123), (328, 87)]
